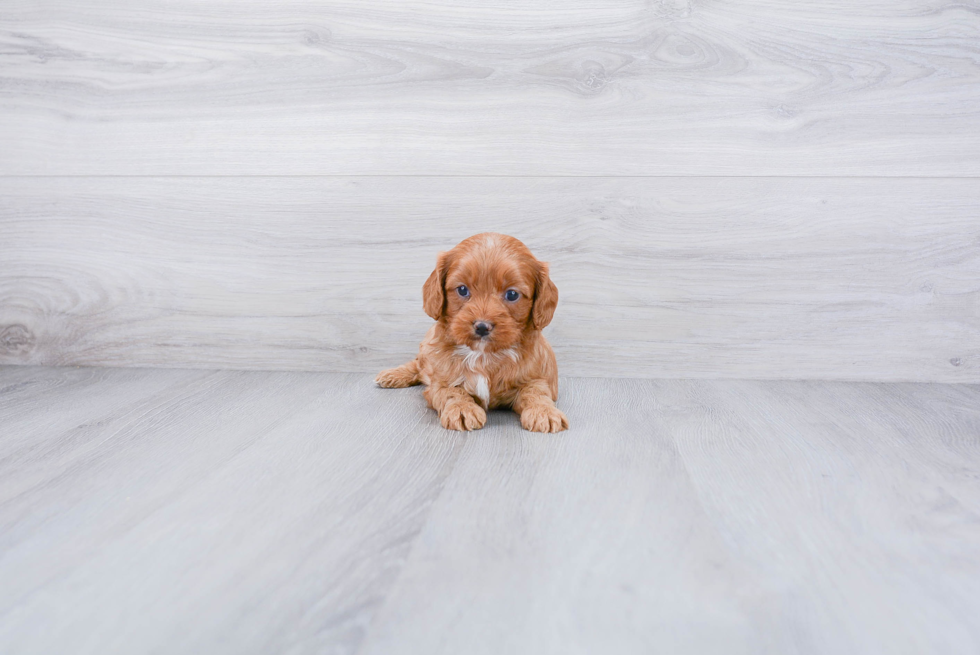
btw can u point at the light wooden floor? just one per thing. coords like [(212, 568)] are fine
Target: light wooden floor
[(179, 511)]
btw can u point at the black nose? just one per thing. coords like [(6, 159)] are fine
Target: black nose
[(482, 329)]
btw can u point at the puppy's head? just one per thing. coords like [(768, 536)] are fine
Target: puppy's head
[(489, 290)]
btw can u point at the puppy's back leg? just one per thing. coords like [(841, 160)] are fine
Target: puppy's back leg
[(405, 375)]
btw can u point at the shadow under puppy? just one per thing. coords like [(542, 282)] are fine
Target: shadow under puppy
[(490, 298)]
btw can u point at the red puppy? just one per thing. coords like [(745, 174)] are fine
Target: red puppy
[(490, 298)]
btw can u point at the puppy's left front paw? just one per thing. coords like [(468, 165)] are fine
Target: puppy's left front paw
[(543, 418)]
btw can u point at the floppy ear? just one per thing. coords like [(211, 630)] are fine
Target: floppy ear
[(545, 298), (434, 289)]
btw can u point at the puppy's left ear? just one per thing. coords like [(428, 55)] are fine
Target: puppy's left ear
[(545, 298)]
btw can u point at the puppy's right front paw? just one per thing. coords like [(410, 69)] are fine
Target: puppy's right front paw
[(462, 416), (394, 378)]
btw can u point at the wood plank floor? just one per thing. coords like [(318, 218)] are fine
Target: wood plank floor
[(177, 511)]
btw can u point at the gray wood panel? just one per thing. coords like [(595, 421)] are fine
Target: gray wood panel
[(829, 518), (255, 512), (504, 88), (236, 512), (873, 279), (591, 542), (883, 474)]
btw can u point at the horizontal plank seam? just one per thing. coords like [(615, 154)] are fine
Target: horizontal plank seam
[(370, 375), (516, 177)]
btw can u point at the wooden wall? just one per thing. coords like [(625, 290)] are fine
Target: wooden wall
[(759, 189)]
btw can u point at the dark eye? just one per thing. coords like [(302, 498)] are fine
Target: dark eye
[(462, 291), (512, 295)]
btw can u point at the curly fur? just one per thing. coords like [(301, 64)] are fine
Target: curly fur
[(513, 366)]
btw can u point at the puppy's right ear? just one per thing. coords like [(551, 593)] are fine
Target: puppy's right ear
[(434, 289)]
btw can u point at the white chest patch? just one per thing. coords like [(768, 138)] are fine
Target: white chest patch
[(482, 390), (473, 358), (476, 383)]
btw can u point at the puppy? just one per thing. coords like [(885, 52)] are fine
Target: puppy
[(490, 299)]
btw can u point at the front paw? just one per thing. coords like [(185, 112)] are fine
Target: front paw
[(462, 416), (394, 378), (543, 418)]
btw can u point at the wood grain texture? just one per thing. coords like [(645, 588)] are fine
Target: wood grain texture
[(829, 517), (594, 541), (879, 496), (870, 279), (255, 512), (228, 512), (504, 88)]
